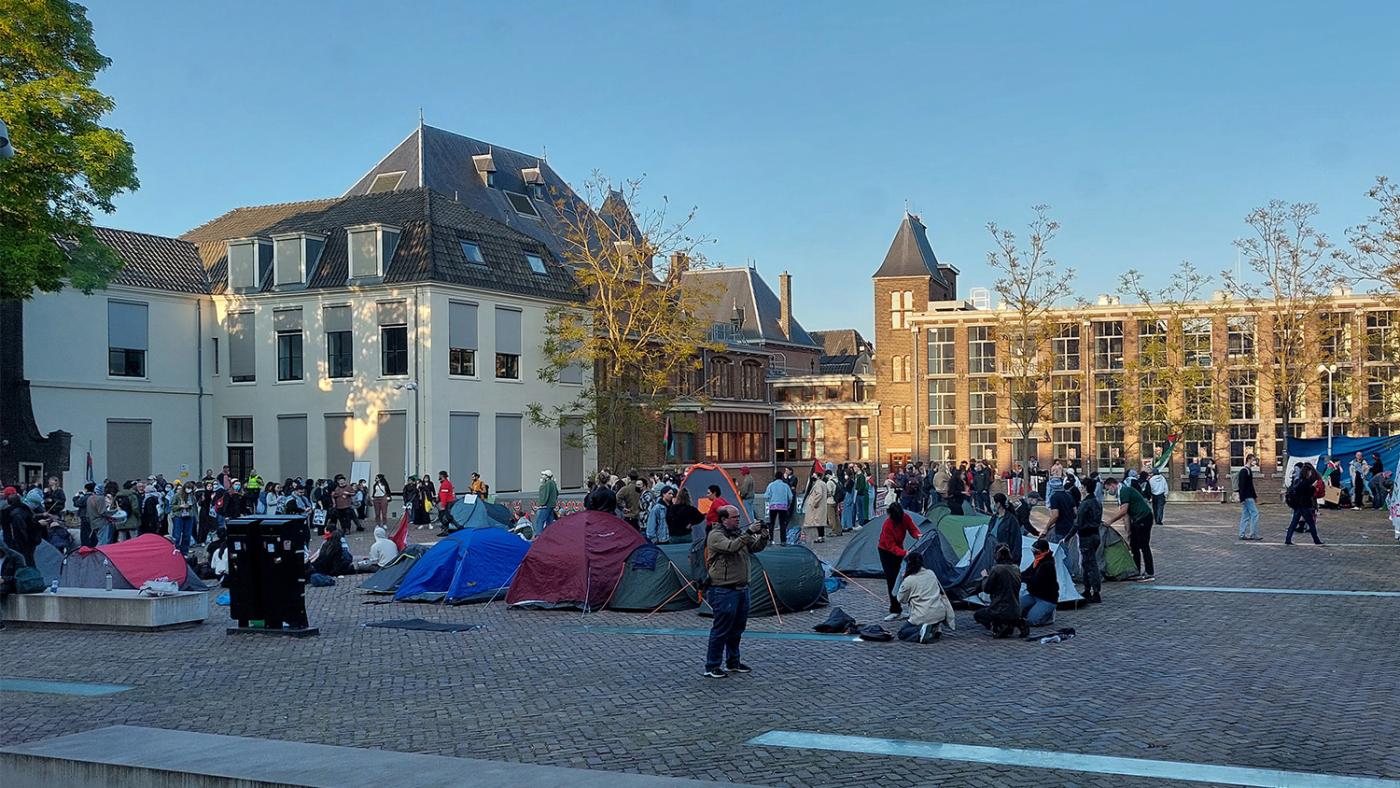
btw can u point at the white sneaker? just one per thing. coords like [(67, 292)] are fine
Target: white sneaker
[(891, 617)]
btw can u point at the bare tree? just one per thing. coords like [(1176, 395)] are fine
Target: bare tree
[(1375, 243), (1030, 284), (1290, 272), (639, 330)]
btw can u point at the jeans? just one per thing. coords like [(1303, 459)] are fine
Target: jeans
[(182, 532), (544, 515), (1089, 561), (1159, 507), (778, 524), (731, 608), (1038, 612), (1249, 518), (106, 533), (891, 564), (1308, 519), (983, 501), (1377, 492), (1140, 540)]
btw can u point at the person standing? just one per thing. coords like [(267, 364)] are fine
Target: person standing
[(833, 520), (1062, 516), (1302, 498), (1139, 515), (898, 526), (1357, 469), (1087, 521), (545, 501), (1157, 486), (814, 503), (447, 495), (182, 511), (727, 553), (1193, 474), (379, 494), (982, 487), (1249, 502), (779, 499), (746, 491), (657, 530), (956, 492), (629, 497), (862, 513), (343, 500)]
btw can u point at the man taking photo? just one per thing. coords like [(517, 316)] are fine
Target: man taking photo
[(727, 563)]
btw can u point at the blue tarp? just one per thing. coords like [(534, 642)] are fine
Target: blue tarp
[(471, 565), (1344, 449)]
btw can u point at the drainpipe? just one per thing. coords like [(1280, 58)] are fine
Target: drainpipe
[(199, 379), (417, 377)]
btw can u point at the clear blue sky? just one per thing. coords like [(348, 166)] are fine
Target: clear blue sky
[(799, 129)]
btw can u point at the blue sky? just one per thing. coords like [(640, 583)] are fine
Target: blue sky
[(800, 130)]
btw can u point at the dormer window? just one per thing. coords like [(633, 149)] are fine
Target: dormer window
[(371, 249), (249, 263), (293, 255), (486, 168), (472, 252), (536, 263), (522, 205), (386, 182), (534, 181)]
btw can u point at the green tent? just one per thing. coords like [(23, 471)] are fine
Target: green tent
[(654, 577), (783, 579), (1114, 555), (951, 527)]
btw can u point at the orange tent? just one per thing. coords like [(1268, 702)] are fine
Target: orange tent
[(698, 479)]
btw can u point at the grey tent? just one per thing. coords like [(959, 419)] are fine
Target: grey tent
[(48, 560), (387, 579), (861, 556), (655, 578)]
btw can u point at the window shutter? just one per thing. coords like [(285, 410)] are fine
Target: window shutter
[(461, 331), (241, 353), (286, 320), (393, 313), (336, 318), (126, 325), (507, 331)]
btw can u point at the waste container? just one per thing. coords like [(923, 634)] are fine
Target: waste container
[(267, 573)]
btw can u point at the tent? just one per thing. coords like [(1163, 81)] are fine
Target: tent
[(387, 579), (1314, 450), (957, 554), (861, 557), (698, 480), (782, 579), (1115, 558), (655, 578), (576, 562), (954, 529), (131, 564), (471, 565), (477, 514), (1069, 595)]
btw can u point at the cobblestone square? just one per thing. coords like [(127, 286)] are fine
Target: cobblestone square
[(1292, 682)]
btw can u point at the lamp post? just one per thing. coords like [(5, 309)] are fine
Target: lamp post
[(1330, 369), (407, 453)]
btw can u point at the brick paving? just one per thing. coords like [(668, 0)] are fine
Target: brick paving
[(1302, 683)]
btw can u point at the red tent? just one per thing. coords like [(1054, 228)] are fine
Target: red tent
[(576, 562), (147, 557)]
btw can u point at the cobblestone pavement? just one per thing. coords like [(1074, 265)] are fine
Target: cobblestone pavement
[(1303, 683)]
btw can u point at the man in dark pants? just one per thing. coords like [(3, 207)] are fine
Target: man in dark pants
[(727, 565), (1139, 515), (1087, 521)]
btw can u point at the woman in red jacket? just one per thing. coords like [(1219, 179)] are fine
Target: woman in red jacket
[(897, 526)]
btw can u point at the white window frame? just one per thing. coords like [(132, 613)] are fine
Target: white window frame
[(304, 263), (381, 231)]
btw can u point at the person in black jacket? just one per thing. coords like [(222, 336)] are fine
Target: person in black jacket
[(682, 517), (21, 529), (956, 492), (1088, 518), (1003, 584), (1042, 586), (1249, 502)]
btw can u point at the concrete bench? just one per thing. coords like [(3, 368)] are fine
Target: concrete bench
[(129, 755), (96, 608)]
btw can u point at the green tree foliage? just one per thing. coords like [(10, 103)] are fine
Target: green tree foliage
[(67, 164)]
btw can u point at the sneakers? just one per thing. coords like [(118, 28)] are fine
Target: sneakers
[(891, 617), (716, 673), (1147, 578), (739, 668)]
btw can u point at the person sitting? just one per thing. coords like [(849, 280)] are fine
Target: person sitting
[(218, 554), (383, 551), (922, 597), (1003, 584), (1042, 586), (334, 557)]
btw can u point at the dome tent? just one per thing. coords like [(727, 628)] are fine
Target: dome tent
[(861, 556), (576, 562), (131, 564), (697, 482), (782, 579), (471, 565), (654, 578)]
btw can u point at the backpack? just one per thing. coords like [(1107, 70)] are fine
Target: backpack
[(1294, 496), (28, 580)]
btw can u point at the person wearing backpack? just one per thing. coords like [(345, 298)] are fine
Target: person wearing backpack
[(1302, 498)]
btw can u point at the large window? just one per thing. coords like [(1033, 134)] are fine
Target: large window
[(289, 361), (901, 308), (1243, 397), (1195, 341), (461, 339), (799, 439), (1199, 441), (1067, 398), (1335, 336), (1153, 440), (899, 419), (1109, 445), (751, 380), (942, 443), (1153, 397), (981, 349), (858, 439), (240, 445), (1152, 341), (126, 339), (1336, 403), (371, 250), (982, 442), (1244, 438), (1108, 344), (900, 368), (1381, 390), (722, 378), (1198, 401), (394, 346), (940, 351), (1106, 393), (942, 410), (1068, 442), (1295, 430), (1065, 346), (1240, 337), (340, 347), (981, 400), (1380, 336)]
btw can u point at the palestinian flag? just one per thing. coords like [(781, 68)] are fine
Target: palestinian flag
[(1166, 455), (668, 439), (400, 534)]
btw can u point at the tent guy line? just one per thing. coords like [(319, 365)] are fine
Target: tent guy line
[(1069, 761), (705, 633)]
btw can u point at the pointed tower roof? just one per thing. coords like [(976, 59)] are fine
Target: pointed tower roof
[(910, 253)]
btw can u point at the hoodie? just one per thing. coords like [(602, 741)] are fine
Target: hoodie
[(383, 550)]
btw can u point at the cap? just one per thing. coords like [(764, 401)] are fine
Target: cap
[(547, 474)]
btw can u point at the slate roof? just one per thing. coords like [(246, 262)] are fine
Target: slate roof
[(447, 165), (840, 341), (844, 364), (432, 227), (745, 288), (155, 262), (910, 253)]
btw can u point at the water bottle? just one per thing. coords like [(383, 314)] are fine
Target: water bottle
[(107, 583), (53, 587)]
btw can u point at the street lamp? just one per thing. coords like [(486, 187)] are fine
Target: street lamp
[(407, 465), (1330, 369)]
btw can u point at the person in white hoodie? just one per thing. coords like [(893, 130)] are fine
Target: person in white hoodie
[(383, 550), (923, 600)]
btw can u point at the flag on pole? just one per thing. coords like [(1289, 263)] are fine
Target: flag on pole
[(818, 468), (668, 439), (400, 536), (1166, 455)]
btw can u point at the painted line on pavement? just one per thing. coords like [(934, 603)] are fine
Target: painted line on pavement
[(1293, 591), (704, 633), (1069, 761), (61, 687), (1330, 544)]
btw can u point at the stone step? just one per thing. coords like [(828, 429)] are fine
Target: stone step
[(157, 758), (96, 608)]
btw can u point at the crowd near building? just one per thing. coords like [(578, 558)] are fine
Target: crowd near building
[(397, 329)]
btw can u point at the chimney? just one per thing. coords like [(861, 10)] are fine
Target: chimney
[(680, 263), (785, 303)]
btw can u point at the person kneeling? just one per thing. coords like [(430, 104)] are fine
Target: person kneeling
[(923, 599), (1042, 586), (1003, 584)]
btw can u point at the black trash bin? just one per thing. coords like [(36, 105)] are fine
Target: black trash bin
[(267, 574)]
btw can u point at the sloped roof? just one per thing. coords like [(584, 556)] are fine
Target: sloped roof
[(445, 162), (844, 364), (840, 341), (910, 253), (432, 227), (743, 287), (155, 262)]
